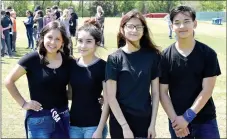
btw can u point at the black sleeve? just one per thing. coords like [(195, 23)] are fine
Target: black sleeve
[(156, 67), (211, 65), (111, 68), (26, 61), (75, 16), (164, 68)]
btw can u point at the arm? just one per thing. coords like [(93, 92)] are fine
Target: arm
[(10, 80), (155, 103), (205, 94), (115, 107), (105, 113), (166, 102)]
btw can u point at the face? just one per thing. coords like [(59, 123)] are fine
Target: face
[(53, 41), (86, 43), (133, 29), (183, 25), (14, 15), (70, 11), (27, 14)]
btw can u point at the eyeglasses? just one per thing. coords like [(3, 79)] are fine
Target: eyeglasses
[(185, 23), (130, 27)]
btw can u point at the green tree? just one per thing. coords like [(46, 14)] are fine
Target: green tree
[(19, 6), (212, 5)]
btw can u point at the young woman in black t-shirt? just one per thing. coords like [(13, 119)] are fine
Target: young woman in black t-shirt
[(130, 71), (87, 119), (48, 75)]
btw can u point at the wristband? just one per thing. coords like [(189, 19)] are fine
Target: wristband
[(189, 115)]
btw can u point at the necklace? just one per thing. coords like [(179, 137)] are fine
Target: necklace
[(54, 71)]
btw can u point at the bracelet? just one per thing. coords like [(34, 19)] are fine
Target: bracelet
[(23, 104), (189, 115)]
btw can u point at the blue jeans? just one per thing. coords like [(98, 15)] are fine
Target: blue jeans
[(44, 126), (207, 130), (6, 41), (30, 38), (85, 132)]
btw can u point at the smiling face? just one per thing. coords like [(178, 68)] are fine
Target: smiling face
[(86, 43), (183, 25), (133, 30), (53, 41)]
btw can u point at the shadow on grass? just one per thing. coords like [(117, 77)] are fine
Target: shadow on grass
[(21, 52)]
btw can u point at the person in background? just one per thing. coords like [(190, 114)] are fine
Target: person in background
[(55, 10), (14, 30), (100, 18), (29, 27), (6, 26), (39, 19), (169, 23), (47, 18), (35, 30)]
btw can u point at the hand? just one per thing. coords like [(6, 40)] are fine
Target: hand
[(101, 100), (97, 135), (127, 132), (179, 123), (151, 132), (3, 36), (182, 132), (32, 105)]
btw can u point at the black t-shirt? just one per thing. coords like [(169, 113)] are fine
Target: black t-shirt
[(46, 85), (133, 73), (5, 22), (72, 21), (87, 87), (184, 75)]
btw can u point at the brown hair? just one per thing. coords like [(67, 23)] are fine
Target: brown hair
[(145, 41), (94, 28), (51, 26)]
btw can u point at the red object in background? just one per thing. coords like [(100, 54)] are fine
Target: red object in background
[(155, 15)]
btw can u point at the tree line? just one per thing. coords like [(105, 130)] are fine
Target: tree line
[(113, 8)]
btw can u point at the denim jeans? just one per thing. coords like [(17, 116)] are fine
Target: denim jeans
[(85, 132), (14, 41), (8, 44), (208, 130), (30, 38), (44, 126)]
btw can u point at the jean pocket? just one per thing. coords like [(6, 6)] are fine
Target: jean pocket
[(44, 124)]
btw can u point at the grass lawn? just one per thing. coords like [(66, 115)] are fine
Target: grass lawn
[(212, 35)]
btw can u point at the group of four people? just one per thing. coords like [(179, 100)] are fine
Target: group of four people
[(133, 80)]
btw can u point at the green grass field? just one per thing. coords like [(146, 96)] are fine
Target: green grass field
[(212, 35)]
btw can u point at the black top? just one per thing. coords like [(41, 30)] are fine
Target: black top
[(5, 22), (87, 87), (185, 75), (72, 21), (46, 85), (133, 73)]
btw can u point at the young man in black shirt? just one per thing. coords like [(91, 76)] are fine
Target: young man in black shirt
[(188, 71)]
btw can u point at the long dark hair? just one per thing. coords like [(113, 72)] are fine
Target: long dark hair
[(51, 26), (145, 41)]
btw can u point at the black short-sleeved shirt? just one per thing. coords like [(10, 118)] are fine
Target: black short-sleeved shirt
[(72, 21), (46, 85), (87, 87), (133, 73), (5, 22), (185, 75)]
